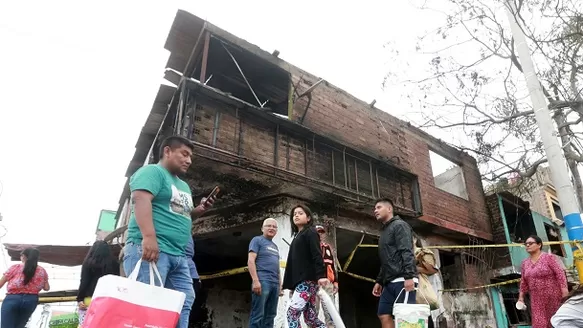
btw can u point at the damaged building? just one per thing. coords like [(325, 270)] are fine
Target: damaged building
[(272, 135), (514, 220)]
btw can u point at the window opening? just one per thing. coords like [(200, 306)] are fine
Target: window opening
[(553, 234), (448, 176), (451, 270)]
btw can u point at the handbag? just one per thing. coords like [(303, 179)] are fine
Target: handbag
[(120, 302), (427, 294)]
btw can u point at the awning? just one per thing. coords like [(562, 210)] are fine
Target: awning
[(57, 254)]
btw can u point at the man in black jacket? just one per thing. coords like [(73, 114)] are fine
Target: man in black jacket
[(398, 270)]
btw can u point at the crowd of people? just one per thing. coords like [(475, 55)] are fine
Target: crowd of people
[(160, 231)]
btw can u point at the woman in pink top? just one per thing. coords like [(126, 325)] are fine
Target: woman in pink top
[(544, 280), (25, 281)]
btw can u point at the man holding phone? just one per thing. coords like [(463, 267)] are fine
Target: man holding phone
[(161, 221)]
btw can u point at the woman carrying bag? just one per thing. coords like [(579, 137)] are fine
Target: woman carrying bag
[(425, 267)]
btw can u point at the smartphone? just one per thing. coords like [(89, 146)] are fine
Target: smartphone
[(213, 193)]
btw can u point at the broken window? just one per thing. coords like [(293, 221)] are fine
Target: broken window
[(448, 176), (553, 234), (515, 317), (557, 210), (519, 221), (245, 76), (451, 270)]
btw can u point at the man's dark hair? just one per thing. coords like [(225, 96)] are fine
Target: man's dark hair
[(385, 200), (174, 142)]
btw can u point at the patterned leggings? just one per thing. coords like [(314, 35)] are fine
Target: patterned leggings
[(304, 300)]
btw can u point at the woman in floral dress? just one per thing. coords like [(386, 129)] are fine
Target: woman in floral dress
[(544, 280)]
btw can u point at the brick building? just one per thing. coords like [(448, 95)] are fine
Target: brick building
[(272, 135)]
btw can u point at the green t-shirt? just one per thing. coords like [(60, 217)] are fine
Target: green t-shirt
[(171, 208)]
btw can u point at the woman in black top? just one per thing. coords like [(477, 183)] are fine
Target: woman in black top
[(304, 269), (98, 263)]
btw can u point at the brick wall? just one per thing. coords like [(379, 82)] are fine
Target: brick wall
[(253, 138), (502, 254), (335, 113)]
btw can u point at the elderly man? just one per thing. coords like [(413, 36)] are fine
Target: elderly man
[(263, 263)]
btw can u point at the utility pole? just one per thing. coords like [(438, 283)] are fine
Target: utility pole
[(555, 156)]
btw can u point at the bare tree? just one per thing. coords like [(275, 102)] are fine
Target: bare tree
[(474, 81)]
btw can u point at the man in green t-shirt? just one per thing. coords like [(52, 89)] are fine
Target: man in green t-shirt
[(161, 220)]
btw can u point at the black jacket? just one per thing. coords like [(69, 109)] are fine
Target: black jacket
[(304, 260), (89, 277), (396, 251)]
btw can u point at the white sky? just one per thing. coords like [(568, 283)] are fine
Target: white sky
[(77, 82)]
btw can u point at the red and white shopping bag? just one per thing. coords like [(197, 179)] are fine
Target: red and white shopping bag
[(125, 302)]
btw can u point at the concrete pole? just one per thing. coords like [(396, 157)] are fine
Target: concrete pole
[(556, 157)]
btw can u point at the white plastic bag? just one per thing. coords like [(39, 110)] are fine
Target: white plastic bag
[(410, 315), (329, 305), (124, 302)]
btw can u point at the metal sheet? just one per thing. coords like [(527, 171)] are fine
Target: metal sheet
[(56, 254)]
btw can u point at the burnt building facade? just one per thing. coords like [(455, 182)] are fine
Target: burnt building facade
[(272, 135)]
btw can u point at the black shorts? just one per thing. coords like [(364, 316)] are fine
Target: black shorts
[(389, 296)]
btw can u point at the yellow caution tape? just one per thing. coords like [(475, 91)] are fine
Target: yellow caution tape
[(359, 277), (508, 282), (225, 273), (345, 268), (54, 299), (575, 242), (232, 272), (445, 290)]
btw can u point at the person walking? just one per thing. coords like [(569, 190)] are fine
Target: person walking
[(305, 269), (398, 270), (25, 280), (425, 262), (98, 262), (544, 280), (331, 273), (570, 314), (161, 221), (263, 264)]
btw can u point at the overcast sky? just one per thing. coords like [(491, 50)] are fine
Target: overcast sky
[(77, 82)]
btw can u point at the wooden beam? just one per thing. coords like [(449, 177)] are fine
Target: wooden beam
[(205, 55)]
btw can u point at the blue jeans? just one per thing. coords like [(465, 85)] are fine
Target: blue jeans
[(173, 270), (264, 306), (17, 309)]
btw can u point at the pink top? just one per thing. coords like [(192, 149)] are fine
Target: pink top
[(15, 279)]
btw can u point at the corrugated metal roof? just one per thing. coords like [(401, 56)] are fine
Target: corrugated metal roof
[(181, 39), (56, 254), (147, 136), (150, 128)]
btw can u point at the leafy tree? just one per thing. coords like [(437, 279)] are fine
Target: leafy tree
[(474, 83)]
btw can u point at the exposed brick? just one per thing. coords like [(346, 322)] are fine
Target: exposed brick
[(335, 113)]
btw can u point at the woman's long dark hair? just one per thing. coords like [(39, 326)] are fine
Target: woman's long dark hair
[(306, 209), (30, 264), (99, 257)]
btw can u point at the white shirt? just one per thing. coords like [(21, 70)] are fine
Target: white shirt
[(570, 314)]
